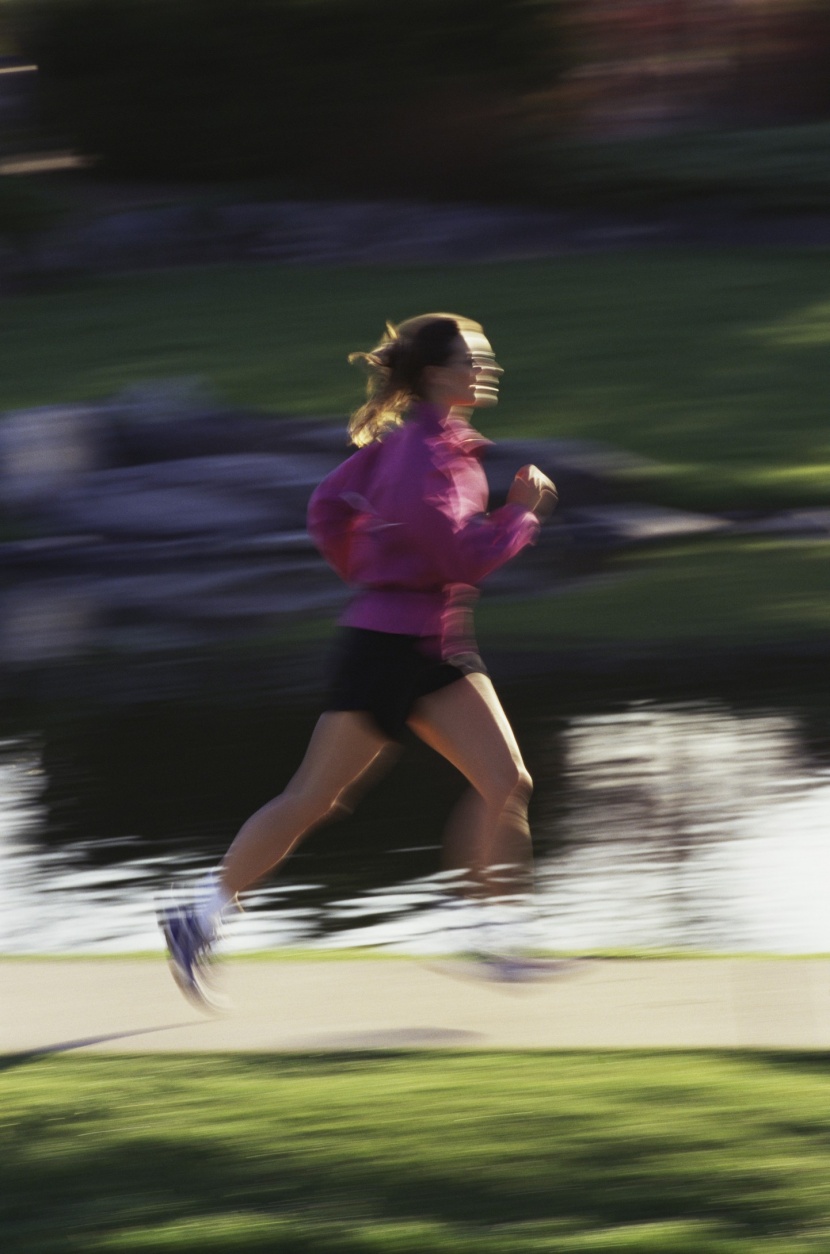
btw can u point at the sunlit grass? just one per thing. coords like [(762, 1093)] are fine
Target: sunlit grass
[(807, 327), (694, 361), (414, 1153), (711, 591)]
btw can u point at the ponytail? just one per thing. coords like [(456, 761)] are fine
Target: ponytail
[(395, 369)]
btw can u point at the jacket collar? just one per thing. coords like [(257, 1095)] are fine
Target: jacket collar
[(448, 429)]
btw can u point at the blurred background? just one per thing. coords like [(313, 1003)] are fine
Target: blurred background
[(205, 205)]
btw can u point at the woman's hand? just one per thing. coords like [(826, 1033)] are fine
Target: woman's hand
[(534, 491)]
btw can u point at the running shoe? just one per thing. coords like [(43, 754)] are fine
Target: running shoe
[(517, 968), (502, 969), (190, 955)]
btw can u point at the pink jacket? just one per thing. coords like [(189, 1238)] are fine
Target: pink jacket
[(403, 520)]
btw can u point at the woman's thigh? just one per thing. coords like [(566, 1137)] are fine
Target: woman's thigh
[(466, 724), (343, 747)]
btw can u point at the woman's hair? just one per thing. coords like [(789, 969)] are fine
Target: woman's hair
[(395, 369)]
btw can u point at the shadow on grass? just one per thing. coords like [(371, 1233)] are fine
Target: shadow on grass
[(460, 1142), (9, 1061), (808, 1060)]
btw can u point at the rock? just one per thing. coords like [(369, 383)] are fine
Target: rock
[(800, 522), (135, 442), (164, 522), (584, 471), (43, 450), (45, 619), (235, 494), (617, 526), (356, 232)]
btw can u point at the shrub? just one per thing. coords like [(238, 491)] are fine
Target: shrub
[(343, 95), (26, 211)]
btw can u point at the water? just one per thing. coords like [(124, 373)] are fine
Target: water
[(697, 823)]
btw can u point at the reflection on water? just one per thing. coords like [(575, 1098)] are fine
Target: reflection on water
[(698, 825), (691, 826)]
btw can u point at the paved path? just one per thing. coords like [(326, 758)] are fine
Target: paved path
[(131, 1005)]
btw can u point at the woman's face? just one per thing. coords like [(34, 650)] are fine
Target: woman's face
[(487, 370), (470, 376)]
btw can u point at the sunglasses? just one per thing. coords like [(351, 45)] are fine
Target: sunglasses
[(481, 363)]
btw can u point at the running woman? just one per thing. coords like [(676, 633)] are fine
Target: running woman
[(404, 522)]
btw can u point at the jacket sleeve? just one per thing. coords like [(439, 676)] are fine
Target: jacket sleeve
[(475, 547), (336, 507), (467, 543)]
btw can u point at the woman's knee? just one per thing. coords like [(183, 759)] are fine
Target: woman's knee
[(523, 789), (511, 785)]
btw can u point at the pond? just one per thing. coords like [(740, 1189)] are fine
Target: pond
[(686, 821)]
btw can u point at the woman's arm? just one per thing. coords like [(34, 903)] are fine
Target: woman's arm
[(533, 490), (337, 504), (466, 542)]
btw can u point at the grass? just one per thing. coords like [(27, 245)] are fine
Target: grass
[(753, 593), (714, 365), (777, 169), (720, 590), (747, 592), (566, 1153)]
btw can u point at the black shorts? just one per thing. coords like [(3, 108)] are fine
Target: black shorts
[(384, 674)]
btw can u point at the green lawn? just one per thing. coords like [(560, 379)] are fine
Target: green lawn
[(736, 592), (670, 1153), (714, 365), (776, 168), (713, 591)]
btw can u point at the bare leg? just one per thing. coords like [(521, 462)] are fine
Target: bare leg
[(489, 833), (343, 746), (342, 749), (461, 846)]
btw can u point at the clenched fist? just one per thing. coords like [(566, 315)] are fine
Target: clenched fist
[(533, 490)]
